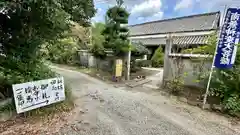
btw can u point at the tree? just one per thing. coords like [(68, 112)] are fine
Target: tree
[(81, 35), (115, 33), (26, 24), (138, 49), (97, 29), (158, 58), (97, 40)]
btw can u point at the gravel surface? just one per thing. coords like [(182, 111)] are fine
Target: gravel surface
[(106, 110)]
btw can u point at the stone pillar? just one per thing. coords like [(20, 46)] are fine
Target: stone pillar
[(167, 65), (144, 57)]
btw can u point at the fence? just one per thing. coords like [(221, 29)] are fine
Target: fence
[(189, 67)]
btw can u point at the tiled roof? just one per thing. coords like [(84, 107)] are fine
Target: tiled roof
[(191, 40), (180, 40), (200, 22), (150, 41)]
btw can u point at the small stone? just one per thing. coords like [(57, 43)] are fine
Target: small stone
[(86, 123), (183, 99), (217, 107), (101, 100), (207, 106), (82, 111)]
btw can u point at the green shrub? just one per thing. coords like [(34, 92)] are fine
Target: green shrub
[(144, 63), (98, 51), (175, 85), (206, 49), (15, 72), (158, 58), (62, 51), (138, 49), (136, 65), (226, 85), (227, 89)]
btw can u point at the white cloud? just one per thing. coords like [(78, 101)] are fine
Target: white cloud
[(99, 10), (183, 4), (147, 8), (99, 16), (217, 4), (206, 5), (158, 15)]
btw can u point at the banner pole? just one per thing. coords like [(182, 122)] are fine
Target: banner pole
[(214, 57)]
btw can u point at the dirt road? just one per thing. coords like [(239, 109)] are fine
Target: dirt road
[(106, 110)]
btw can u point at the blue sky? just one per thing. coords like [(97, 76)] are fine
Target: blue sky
[(151, 10)]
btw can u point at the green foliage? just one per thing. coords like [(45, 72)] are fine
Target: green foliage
[(228, 89), (26, 25), (25, 72), (8, 107), (206, 49), (176, 85), (98, 51), (144, 63), (138, 49), (158, 58), (15, 71), (116, 35), (136, 65), (225, 83), (80, 34), (97, 37), (62, 51), (97, 40)]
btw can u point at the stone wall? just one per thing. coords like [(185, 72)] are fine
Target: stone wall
[(189, 67), (88, 60)]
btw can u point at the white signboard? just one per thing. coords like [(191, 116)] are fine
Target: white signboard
[(32, 95)]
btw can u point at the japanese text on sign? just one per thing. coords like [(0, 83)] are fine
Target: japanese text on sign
[(36, 94), (118, 68), (229, 37)]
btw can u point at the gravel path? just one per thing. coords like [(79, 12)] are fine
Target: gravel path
[(106, 110)]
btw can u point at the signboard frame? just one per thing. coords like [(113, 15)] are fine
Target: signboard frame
[(36, 94)]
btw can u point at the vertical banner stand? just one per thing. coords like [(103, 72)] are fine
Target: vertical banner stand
[(214, 58)]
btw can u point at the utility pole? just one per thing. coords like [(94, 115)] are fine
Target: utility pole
[(128, 63)]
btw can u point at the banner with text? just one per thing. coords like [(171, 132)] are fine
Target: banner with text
[(228, 40), (32, 95)]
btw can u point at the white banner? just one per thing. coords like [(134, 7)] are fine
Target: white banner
[(32, 95)]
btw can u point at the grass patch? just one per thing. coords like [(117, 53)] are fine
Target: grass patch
[(7, 108)]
